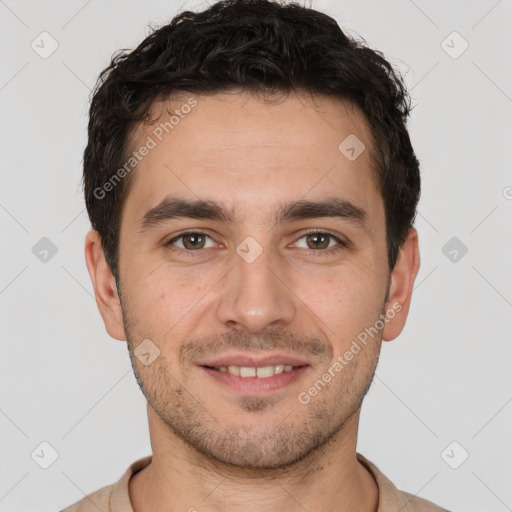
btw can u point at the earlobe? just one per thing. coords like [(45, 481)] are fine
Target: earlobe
[(105, 290), (401, 286)]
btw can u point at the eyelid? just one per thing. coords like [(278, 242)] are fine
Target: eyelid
[(312, 231), (341, 243), (201, 231)]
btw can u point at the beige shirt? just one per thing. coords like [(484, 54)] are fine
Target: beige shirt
[(115, 497)]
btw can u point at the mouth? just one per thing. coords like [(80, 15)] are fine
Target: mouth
[(253, 375), (260, 372)]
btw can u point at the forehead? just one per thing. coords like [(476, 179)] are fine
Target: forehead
[(250, 154)]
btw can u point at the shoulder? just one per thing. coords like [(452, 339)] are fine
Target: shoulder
[(97, 500), (111, 498), (414, 503), (391, 498)]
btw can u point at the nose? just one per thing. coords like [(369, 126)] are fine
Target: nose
[(256, 295)]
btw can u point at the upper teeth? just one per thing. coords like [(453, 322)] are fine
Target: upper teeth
[(261, 372)]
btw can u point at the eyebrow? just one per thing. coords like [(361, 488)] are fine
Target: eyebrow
[(177, 208)]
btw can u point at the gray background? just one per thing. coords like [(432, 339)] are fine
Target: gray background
[(445, 379)]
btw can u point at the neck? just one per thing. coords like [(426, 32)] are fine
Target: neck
[(329, 479)]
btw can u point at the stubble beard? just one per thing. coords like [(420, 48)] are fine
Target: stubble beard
[(291, 439)]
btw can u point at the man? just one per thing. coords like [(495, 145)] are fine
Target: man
[(252, 190)]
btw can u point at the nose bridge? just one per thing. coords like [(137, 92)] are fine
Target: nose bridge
[(254, 295)]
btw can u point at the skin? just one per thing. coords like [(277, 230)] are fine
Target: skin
[(214, 448)]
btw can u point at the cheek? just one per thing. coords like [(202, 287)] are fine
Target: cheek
[(171, 301), (346, 301), (160, 299)]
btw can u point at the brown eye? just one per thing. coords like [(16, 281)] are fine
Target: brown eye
[(321, 243), (318, 240), (190, 241), (193, 241)]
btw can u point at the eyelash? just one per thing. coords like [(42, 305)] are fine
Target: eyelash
[(319, 252)]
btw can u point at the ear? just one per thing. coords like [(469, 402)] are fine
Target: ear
[(104, 285), (402, 282)]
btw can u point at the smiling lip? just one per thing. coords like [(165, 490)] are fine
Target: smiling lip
[(253, 361), (254, 386)]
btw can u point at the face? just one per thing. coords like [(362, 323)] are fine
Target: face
[(252, 257)]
